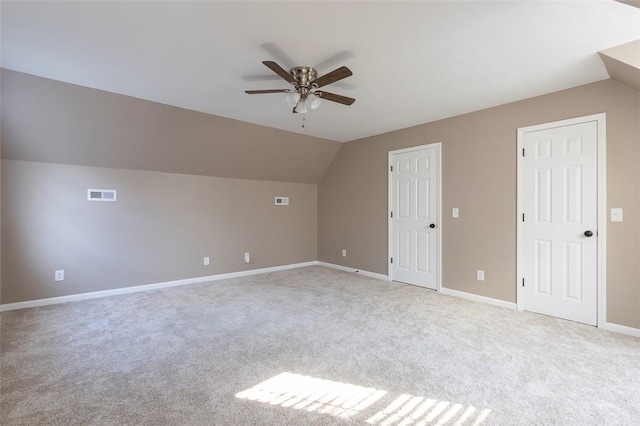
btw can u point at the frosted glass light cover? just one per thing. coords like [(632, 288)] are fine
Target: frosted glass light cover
[(301, 107), (314, 101), (293, 98)]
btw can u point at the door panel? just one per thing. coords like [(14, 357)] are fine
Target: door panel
[(423, 252), (404, 250), (560, 204), (415, 208), (543, 267), (573, 271)]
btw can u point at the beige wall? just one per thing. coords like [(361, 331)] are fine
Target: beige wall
[(159, 230), (479, 177), (50, 121), (163, 226), (190, 185)]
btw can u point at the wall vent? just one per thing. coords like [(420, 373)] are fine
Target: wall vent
[(282, 201), (102, 194)]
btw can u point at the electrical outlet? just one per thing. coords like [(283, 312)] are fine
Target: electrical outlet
[(247, 257), (455, 212), (206, 261), (344, 252), (480, 275), (59, 275)]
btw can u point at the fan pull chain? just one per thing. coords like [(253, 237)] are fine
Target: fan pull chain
[(303, 120)]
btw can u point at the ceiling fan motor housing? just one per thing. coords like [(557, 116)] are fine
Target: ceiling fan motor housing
[(304, 76)]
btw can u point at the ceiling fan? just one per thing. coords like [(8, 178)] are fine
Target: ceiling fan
[(305, 81)]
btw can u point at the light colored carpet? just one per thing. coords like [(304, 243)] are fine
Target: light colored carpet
[(309, 346)]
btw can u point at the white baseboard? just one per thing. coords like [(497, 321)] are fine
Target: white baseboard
[(145, 287), (450, 292), (357, 271), (125, 290), (623, 329), (478, 298)]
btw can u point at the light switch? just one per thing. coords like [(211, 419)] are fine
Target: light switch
[(455, 212), (616, 215)]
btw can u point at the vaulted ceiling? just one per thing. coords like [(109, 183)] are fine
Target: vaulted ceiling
[(412, 62)]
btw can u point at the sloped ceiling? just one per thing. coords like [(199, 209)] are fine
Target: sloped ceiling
[(634, 3), (623, 63), (54, 122), (413, 62)]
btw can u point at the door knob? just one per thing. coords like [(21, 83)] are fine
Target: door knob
[(433, 225), (588, 233)]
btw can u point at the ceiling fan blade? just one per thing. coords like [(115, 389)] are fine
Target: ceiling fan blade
[(280, 71), (294, 110), (257, 92), (335, 98), (332, 77)]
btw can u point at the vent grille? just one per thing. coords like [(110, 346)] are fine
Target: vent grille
[(102, 194)]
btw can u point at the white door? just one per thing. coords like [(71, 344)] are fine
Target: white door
[(414, 227), (560, 221)]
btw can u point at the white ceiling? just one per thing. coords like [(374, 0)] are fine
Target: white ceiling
[(412, 62)]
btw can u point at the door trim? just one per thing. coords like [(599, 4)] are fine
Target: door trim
[(438, 147), (601, 275)]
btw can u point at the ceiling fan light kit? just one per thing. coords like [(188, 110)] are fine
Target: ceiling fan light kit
[(293, 98), (314, 101), (305, 80), (301, 108)]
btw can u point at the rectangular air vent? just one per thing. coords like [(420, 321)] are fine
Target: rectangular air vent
[(102, 194), (282, 201)]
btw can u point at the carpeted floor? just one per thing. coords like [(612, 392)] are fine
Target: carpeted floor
[(309, 346)]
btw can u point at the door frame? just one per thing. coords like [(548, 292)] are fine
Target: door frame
[(438, 147), (601, 197)]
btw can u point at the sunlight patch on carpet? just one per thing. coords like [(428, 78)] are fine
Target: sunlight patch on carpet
[(416, 410), (313, 394), (345, 400)]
